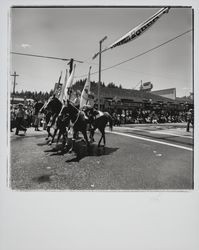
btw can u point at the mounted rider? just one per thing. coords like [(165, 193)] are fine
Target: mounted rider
[(89, 109), (76, 101)]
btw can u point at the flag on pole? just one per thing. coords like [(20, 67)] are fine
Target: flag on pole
[(57, 83), (137, 31), (63, 87), (58, 87), (70, 65), (69, 83), (85, 91)]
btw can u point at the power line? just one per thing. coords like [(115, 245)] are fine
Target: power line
[(141, 54), (113, 66), (48, 57)]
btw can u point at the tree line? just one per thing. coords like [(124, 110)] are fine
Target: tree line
[(35, 95), (40, 95)]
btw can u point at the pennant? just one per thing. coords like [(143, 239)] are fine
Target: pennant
[(69, 83), (140, 29), (85, 91)]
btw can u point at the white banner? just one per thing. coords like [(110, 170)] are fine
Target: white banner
[(63, 87), (69, 84), (140, 29), (85, 91)]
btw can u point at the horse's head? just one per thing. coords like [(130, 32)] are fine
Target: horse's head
[(53, 105), (71, 109), (40, 107), (65, 110)]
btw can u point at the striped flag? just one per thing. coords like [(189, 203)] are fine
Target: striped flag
[(85, 91), (140, 29), (69, 83)]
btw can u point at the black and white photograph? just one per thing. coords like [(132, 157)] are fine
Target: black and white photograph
[(101, 98), (99, 125)]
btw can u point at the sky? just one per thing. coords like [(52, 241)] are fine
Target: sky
[(76, 32)]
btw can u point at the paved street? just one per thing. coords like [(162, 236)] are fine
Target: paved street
[(136, 157)]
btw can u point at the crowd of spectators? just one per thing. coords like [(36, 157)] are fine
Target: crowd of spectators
[(141, 116), (25, 115)]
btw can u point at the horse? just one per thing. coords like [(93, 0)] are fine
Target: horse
[(53, 108), (63, 125), (100, 122), (80, 122)]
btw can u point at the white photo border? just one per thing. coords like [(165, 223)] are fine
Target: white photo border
[(95, 220)]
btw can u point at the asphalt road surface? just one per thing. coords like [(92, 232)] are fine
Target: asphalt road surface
[(136, 157)]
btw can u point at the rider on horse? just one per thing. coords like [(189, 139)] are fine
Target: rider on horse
[(90, 113), (89, 109)]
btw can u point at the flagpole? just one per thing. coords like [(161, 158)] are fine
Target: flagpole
[(14, 85), (100, 51)]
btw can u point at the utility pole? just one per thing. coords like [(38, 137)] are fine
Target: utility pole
[(14, 85), (141, 87), (100, 51)]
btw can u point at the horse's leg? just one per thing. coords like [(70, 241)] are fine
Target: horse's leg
[(101, 137), (73, 141), (63, 132), (53, 137), (54, 134), (92, 131), (49, 134), (65, 136), (100, 141), (47, 130), (85, 137), (104, 138), (58, 137)]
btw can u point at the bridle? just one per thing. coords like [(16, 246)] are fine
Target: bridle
[(76, 118)]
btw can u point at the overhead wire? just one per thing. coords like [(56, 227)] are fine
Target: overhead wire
[(141, 54), (110, 67), (48, 57)]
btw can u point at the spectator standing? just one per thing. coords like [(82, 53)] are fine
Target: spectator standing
[(12, 118), (20, 119), (38, 105), (189, 119)]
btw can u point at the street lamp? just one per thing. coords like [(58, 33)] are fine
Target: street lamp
[(99, 53)]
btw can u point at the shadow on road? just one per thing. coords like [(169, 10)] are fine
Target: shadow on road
[(80, 150)]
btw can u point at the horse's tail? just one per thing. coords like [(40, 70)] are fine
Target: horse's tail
[(110, 122)]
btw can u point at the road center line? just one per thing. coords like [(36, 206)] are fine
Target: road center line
[(146, 139), (167, 133), (156, 132)]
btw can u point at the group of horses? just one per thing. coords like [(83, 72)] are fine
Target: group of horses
[(63, 117)]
